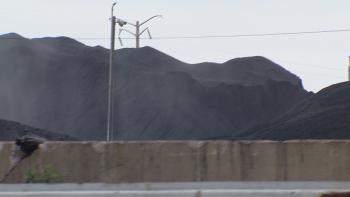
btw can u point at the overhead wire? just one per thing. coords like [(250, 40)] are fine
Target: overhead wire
[(218, 36), (236, 35), (255, 35)]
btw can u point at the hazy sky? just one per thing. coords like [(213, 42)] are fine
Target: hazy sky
[(320, 60)]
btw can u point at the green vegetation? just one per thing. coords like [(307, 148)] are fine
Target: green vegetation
[(47, 174)]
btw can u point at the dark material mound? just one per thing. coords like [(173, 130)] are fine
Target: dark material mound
[(60, 85), (10, 131), (175, 106), (245, 71), (11, 36), (325, 115)]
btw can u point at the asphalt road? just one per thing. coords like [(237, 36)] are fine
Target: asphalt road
[(215, 189)]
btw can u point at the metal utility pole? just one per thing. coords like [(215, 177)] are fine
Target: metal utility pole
[(110, 83), (138, 33), (110, 107)]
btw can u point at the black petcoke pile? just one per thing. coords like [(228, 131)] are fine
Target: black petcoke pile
[(60, 85)]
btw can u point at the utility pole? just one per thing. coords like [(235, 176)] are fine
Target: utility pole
[(110, 108), (110, 83), (138, 32)]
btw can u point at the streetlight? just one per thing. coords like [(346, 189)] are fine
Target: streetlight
[(137, 34), (110, 77)]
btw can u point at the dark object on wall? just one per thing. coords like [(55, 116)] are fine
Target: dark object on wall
[(28, 144)]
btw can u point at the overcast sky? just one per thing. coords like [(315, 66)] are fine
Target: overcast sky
[(320, 60)]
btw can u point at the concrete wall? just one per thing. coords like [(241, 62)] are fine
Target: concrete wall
[(187, 161), (183, 189), (184, 193)]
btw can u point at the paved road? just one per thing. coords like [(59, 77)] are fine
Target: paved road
[(215, 189)]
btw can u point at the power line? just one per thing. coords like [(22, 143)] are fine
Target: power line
[(241, 35), (256, 35), (218, 36)]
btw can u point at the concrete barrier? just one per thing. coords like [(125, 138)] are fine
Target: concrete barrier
[(185, 193), (186, 161), (194, 189)]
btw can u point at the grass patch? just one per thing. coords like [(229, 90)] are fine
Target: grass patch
[(47, 174)]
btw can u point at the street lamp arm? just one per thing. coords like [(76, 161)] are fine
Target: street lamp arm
[(122, 30), (131, 24), (150, 19), (112, 9), (143, 31)]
